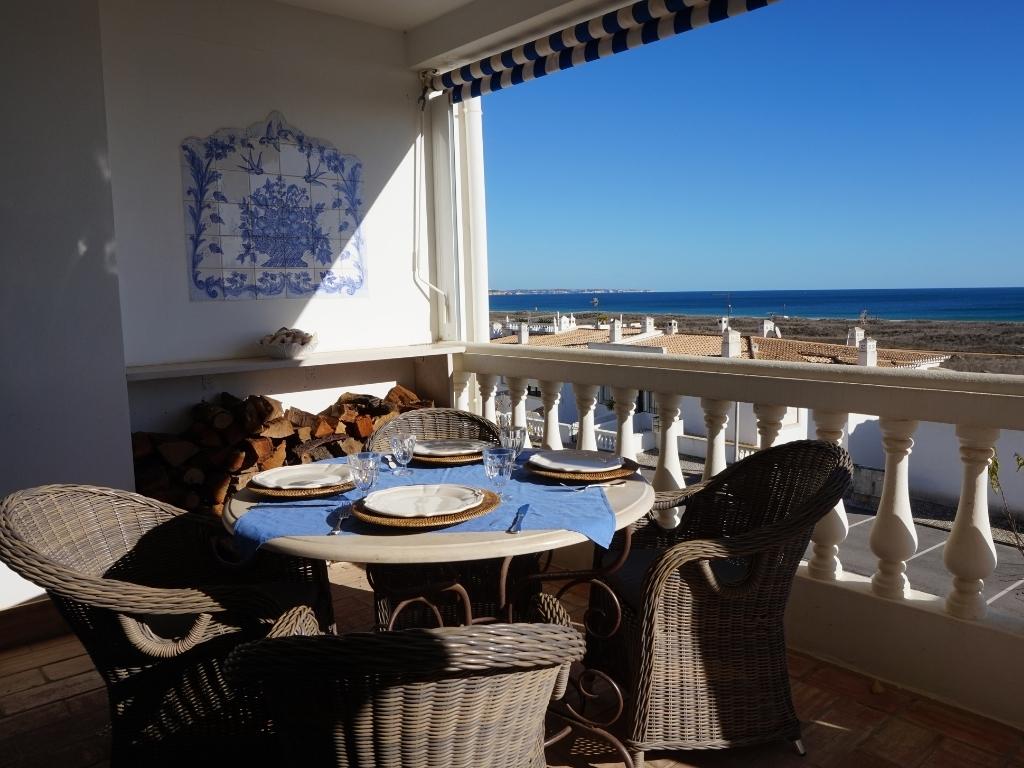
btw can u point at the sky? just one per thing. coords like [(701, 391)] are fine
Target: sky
[(809, 144)]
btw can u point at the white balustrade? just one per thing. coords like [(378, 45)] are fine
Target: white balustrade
[(668, 475), (832, 529), (769, 422), (625, 407), (586, 403), (517, 393), (970, 554), (550, 395), (716, 416), (893, 538), (460, 389), (488, 385)]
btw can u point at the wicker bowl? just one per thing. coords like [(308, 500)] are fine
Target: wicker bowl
[(289, 350)]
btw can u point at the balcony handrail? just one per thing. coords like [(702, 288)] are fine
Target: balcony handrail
[(955, 397)]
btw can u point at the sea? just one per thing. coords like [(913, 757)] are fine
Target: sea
[(980, 304)]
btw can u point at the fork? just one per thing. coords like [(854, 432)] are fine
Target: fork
[(577, 488), (344, 513)]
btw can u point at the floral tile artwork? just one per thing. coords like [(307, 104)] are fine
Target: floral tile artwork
[(271, 213)]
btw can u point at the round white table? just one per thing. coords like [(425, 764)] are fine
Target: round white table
[(630, 502)]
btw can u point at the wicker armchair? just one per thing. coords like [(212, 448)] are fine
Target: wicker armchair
[(701, 653), (158, 610), (419, 698), (393, 585), (435, 423)]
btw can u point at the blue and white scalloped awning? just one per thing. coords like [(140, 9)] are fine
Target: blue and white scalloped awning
[(629, 27)]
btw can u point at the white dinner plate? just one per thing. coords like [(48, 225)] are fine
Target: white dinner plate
[(305, 476), (575, 461), (449, 447), (423, 500)]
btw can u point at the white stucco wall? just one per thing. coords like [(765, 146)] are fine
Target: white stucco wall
[(179, 68), (59, 307)]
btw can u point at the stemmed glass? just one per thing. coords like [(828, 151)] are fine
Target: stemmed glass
[(402, 446), (365, 468), (498, 464), (513, 438)]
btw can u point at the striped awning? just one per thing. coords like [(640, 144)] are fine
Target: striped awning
[(637, 24)]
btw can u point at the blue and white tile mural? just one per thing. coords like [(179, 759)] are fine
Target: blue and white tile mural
[(271, 213)]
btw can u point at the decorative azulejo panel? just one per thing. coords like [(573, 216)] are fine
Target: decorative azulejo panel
[(271, 213)]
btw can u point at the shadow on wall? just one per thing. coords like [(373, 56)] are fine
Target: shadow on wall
[(934, 469)]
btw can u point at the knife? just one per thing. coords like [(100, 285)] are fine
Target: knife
[(517, 523)]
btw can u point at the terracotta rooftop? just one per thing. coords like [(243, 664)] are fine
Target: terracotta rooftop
[(751, 347), (577, 338)]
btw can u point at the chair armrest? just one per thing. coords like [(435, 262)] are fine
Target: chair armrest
[(299, 620), (668, 499)]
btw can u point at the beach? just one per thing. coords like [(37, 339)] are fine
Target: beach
[(984, 347)]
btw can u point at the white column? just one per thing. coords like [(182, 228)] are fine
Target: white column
[(769, 422), (586, 402), (970, 554), (625, 406), (716, 416), (550, 395), (893, 538), (474, 220), (517, 392), (832, 529), (460, 390), (488, 385), (668, 476)]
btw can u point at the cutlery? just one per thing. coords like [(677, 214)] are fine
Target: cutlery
[(517, 523), (344, 513), (577, 488), (389, 460)]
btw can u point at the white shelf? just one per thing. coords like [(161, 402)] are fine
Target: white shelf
[(246, 364)]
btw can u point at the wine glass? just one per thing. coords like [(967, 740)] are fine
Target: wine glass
[(498, 467), (513, 438), (365, 470), (402, 446)]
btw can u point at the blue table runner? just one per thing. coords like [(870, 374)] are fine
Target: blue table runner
[(551, 507)]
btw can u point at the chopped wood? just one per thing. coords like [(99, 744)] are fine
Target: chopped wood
[(278, 428), (258, 410), (300, 418), (193, 476), (177, 452), (213, 415), (234, 434), (259, 448), (236, 460), (325, 425), (191, 501), (364, 426), (276, 459), (142, 445), (304, 433), (399, 395), (217, 487)]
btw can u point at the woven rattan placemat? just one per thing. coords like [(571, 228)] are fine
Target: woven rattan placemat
[(628, 468), (299, 493), (468, 458), (490, 501)]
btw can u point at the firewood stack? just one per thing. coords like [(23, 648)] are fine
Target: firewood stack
[(231, 439)]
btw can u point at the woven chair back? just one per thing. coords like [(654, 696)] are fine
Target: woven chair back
[(435, 424)]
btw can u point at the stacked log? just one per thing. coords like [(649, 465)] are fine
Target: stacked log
[(230, 439)]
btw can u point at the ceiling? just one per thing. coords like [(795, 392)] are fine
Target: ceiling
[(399, 15)]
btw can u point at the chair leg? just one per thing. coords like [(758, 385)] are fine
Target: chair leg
[(638, 759), (800, 750)]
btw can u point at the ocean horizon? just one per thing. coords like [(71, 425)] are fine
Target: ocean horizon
[(977, 304)]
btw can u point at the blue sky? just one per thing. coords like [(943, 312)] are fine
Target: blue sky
[(809, 144)]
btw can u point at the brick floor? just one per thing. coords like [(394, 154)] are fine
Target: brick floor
[(53, 714)]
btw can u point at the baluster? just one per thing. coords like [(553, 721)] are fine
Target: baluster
[(769, 422), (716, 416), (460, 390), (832, 529), (668, 476), (970, 554), (625, 406), (586, 402), (488, 385), (550, 395), (893, 538), (517, 392)]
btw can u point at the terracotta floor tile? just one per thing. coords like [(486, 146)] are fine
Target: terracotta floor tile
[(73, 666), (902, 742), (950, 753), (861, 759), (839, 731), (810, 701), (859, 688), (19, 681), (982, 733), (800, 665)]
